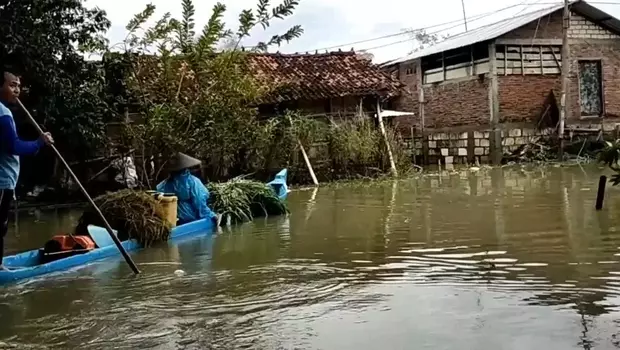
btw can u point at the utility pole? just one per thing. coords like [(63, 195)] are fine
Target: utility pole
[(464, 16), (565, 73)]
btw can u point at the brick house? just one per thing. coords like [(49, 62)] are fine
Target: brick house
[(455, 88), (334, 83)]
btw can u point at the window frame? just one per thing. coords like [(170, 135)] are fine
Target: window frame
[(599, 61)]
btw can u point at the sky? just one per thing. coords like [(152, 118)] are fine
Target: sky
[(346, 24)]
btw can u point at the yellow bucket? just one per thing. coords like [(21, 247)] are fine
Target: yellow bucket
[(169, 204)]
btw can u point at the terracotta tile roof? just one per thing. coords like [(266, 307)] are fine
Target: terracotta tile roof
[(319, 76)]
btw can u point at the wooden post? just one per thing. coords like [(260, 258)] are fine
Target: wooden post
[(385, 138), (565, 72), (471, 60), (495, 135), (443, 65), (522, 60), (306, 159), (600, 194), (506, 60), (420, 88), (542, 66)]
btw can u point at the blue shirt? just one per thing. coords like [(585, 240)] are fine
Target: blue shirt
[(192, 196), (11, 147)]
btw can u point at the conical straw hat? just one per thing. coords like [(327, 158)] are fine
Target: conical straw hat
[(182, 161)]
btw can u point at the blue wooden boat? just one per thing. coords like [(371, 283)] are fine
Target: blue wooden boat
[(28, 264)]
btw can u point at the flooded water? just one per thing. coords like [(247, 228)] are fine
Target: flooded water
[(513, 258)]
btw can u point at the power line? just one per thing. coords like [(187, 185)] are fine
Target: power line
[(459, 23), (431, 33), (409, 31)]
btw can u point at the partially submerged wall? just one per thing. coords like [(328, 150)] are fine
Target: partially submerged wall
[(471, 147)]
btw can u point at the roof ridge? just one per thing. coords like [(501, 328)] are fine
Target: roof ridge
[(301, 54)]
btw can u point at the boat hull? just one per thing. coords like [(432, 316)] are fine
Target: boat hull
[(26, 265)]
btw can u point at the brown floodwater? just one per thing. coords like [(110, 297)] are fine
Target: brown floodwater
[(512, 258)]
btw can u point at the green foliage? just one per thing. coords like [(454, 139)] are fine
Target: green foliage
[(193, 98), (199, 100), (44, 40), (351, 148), (610, 155), (240, 200)]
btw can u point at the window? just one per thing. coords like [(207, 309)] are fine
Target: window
[(590, 88), (410, 70), (528, 59), (456, 64)]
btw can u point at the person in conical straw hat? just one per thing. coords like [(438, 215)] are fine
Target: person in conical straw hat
[(192, 194)]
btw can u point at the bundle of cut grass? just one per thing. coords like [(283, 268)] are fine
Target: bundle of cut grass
[(242, 200), (133, 214)]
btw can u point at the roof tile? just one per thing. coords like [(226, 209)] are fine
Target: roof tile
[(319, 76)]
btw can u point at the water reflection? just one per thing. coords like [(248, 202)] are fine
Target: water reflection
[(487, 259)]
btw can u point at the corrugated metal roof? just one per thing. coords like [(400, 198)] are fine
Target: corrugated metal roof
[(487, 32)]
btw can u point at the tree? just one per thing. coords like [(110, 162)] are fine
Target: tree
[(45, 40), (192, 97), (421, 39)]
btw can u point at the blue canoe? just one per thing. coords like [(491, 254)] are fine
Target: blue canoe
[(27, 264)]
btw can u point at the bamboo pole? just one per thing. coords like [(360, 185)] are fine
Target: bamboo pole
[(387, 142), (90, 200), (306, 159)]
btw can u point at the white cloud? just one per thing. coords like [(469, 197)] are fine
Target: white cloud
[(330, 23)]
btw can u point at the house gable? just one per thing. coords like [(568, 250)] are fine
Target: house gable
[(583, 28), (546, 27), (550, 27)]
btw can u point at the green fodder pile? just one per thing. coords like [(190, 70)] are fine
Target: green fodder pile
[(240, 200), (133, 214)]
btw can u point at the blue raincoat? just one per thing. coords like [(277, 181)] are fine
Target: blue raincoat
[(192, 195)]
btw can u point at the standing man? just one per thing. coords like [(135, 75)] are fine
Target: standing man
[(11, 147)]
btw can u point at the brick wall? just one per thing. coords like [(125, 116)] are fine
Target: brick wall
[(521, 97), (467, 102), (408, 101), (609, 53), (457, 103), (582, 28)]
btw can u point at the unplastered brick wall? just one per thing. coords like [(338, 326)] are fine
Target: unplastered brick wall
[(457, 103), (469, 147), (522, 97), (408, 100), (608, 52), (582, 28)]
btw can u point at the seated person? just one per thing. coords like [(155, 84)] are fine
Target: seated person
[(191, 193)]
